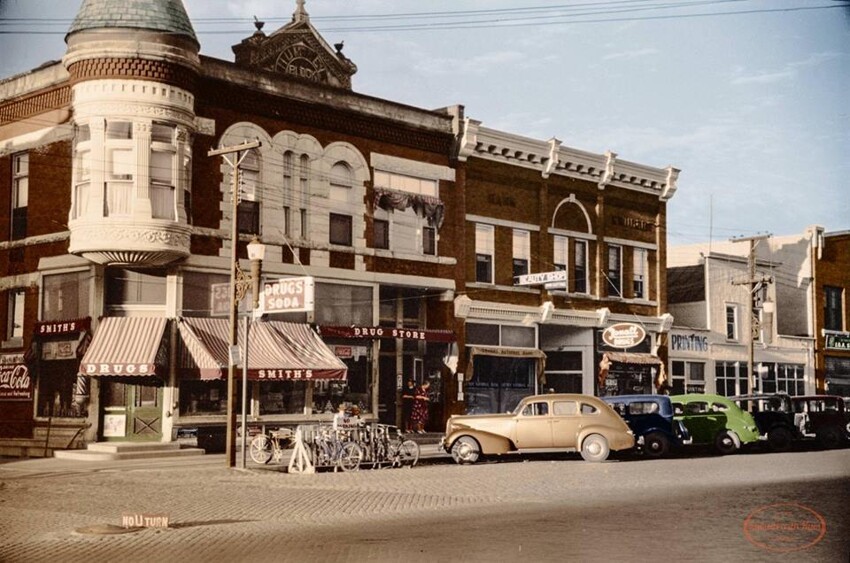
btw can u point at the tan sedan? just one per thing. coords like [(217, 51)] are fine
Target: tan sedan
[(565, 422)]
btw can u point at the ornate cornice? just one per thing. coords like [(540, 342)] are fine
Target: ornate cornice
[(120, 243)]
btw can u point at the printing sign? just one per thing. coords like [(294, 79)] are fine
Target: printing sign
[(623, 335)]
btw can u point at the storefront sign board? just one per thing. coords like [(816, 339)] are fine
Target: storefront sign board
[(288, 295), (542, 278), (623, 335), (838, 341), (15, 381)]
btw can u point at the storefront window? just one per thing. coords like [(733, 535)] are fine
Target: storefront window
[(498, 383), (731, 379), (338, 304), (202, 292), (563, 372), (203, 397), (282, 397), (66, 296)]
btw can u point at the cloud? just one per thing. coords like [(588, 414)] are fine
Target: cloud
[(629, 55), (789, 71), (481, 64)]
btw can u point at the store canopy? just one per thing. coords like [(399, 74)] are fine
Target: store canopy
[(638, 358), (126, 347), (530, 353), (276, 351)]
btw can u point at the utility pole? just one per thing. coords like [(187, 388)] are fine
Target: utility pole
[(241, 151), (753, 282)]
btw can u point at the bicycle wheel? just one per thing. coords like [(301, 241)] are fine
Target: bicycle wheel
[(261, 449), (350, 456), (409, 453)]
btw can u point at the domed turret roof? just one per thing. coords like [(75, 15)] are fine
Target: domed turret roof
[(158, 15)]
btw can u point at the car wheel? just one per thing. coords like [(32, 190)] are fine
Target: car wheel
[(726, 443), (465, 450), (829, 438), (656, 444), (594, 448), (780, 439)]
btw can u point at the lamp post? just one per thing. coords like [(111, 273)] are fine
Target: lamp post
[(256, 253), (235, 272)]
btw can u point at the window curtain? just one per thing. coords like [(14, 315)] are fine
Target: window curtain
[(428, 207)]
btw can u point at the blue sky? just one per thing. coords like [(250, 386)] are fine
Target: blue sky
[(752, 107)]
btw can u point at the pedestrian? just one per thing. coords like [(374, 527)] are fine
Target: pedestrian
[(420, 407), (408, 397)]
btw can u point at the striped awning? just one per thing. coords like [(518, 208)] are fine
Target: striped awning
[(276, 351), (126, 347)]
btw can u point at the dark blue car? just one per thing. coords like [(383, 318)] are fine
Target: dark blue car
[(650, 417)]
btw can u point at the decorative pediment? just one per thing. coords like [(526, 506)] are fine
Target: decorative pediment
[(297, 50)]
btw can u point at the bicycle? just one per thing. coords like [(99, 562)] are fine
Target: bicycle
[(334, 448), (267, 447), (402, 452)]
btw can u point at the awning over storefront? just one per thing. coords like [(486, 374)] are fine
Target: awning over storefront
[(373, 332), (126, 347), (276, 351), (531, 353)]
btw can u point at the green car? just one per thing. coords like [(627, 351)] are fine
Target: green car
[(715, 420)]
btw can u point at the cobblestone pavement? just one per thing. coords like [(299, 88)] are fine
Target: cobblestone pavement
[(219, 514)]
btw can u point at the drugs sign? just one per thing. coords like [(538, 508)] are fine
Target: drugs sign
[(288, 295)]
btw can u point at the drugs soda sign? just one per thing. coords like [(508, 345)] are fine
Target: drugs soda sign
[(288, 295)]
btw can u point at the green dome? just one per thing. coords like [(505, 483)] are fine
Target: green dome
[(158, 15)]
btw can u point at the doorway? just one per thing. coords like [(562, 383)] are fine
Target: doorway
[(132, 410)]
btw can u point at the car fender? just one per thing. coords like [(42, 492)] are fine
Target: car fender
[(490, 443)]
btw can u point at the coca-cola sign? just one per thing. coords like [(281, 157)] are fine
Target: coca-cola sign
[(15, 381), (623, 335)]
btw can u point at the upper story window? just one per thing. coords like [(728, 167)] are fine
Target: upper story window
[(15, 315), (640, 267), (731, 322), (248, 219), (20, 194), (288, 173), (521, 252), (833, 308), (409, 184), (580, 267), (560, 253), (66, 296), (162, 171), (484, 249), (341, 182), (340, 229), (128, 287), (615, 271), (381, 230), (429, 241), (120, 168)]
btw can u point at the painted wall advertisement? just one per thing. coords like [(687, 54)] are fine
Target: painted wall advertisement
[(15, 381)]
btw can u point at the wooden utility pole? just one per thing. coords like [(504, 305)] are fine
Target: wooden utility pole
[(752, 282), (241, 151)]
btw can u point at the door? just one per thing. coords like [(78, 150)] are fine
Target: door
[(131, 411), (566, 423), (534, 426)]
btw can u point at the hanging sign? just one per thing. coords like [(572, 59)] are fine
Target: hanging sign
[(623, 335), (288, 295)]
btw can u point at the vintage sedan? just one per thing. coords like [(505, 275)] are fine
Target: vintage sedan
[(565, 422), (651, 419), (715, 420)]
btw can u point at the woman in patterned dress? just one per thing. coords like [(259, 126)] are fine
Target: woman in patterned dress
[(420, 407)]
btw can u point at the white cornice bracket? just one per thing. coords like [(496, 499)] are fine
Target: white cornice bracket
[(608, 174), (462, 305), (469, 139), (670, 185), (554, 158)]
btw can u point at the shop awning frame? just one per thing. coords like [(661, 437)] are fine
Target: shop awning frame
[(126, 347), (277, 351)]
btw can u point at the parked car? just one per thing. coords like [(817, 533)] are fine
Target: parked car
[(567, 422), (774, 418), (823, 417), (651, 419), (716, 421)]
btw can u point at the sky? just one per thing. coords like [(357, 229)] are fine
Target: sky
[(750, 99)]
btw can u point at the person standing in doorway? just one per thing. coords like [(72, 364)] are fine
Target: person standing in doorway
[(420, 407), (408, 397)]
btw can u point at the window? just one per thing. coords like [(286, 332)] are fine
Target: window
[(790, 378), (536, 409), (560, 257), (409, 184), (341, 181), (66, 296), (82, 170), (832, 308), (126, 287), (287, 221), (731, 378), (615, 271), (565, 408), (288, 171), (15, 325), (731, 322), (580, 267), (340, 229), (640, 266), (248, 217), (303, 214), (687, 377), (588, 409), (522, 252), (119, 130), (429, 241), (20, 194), (484, 247), (120, 168), (381, 234), (162, 184)]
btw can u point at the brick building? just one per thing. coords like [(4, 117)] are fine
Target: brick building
[(832, 284), (413, 225)]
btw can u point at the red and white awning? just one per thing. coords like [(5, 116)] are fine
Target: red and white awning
[(276, 351), (126, 347)]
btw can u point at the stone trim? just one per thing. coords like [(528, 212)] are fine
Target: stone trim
[(33, 104), (113, 67)]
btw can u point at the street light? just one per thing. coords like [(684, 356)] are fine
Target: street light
[(256, 253)]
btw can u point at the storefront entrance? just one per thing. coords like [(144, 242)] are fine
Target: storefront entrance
[(131, 411)]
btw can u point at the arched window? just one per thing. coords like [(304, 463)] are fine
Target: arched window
[(248, 219), (341, 182)]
